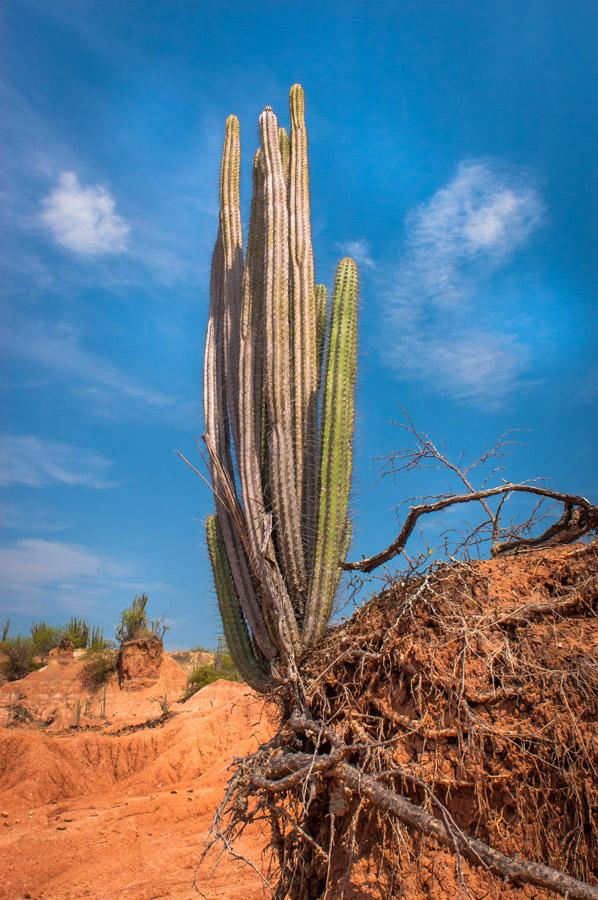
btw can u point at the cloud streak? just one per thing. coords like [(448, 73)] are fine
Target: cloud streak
[(35, 462), (58, 349), (37, 575), (83, 219), (456, 241)]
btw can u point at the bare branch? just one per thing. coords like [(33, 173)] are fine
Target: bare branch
[(579, 518)]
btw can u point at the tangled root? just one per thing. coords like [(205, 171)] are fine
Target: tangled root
[(452, 718)]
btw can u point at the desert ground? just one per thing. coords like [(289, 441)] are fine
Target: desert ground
[(121, 805)]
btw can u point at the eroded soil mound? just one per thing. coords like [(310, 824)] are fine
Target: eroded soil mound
[(473, 692), (57, 696)]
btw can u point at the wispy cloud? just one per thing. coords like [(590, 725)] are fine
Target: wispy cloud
[(455, 242), (39, 575), (360, 251), (58, 349), (83, 219), (33, 461)]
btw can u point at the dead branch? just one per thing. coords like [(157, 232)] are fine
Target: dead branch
[(512, 868), (580, 517)]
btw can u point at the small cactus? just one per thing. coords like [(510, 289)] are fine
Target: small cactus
[(77, 719), (279, 383)]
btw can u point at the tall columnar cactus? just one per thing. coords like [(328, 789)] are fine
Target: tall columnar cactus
[(279, 384)]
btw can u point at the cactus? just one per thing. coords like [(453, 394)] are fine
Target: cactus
[(77, 719), (279, 382)]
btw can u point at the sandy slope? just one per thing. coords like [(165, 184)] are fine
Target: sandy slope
[(94, 814)]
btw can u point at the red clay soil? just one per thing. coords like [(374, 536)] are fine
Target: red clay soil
[(51, 694), (90, 814)]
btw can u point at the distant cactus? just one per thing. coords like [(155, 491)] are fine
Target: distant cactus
[(279, 381), (77, 719), (77, 632)]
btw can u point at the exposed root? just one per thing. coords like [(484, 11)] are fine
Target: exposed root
[(447, 719)]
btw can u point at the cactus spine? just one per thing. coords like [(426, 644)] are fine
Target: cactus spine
[(279, 382)]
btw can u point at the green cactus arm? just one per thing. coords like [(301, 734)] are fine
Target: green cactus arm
[(321, 318), (232, 254), (338, 412), (251, 665), (284, 145), (285, 510), (303, 320)]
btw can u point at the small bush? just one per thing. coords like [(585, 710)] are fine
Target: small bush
[(133, 621), (18, 659), (99, 664), (203, 675), (97, 641), (77, 632), (45, 637)]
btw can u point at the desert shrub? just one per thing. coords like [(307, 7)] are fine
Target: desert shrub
[(133, 621), (201, 676), (45, 637), (96, 640), (99, 664), (19, 658), (5, 630), (135, 624), (77, 632)]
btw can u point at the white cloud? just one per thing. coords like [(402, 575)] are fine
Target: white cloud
[(467, 231), (360, 251), (83, 219), (30, 460)]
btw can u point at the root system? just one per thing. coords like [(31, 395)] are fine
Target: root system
[(442, 742)]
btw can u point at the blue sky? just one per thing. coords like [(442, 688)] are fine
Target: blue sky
[(453, 152)]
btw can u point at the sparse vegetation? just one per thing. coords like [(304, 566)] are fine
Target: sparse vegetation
[(18, 658), (203, 675), (96, 639), (99, 665), (134, 623), (45, 637), (77, 632)]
